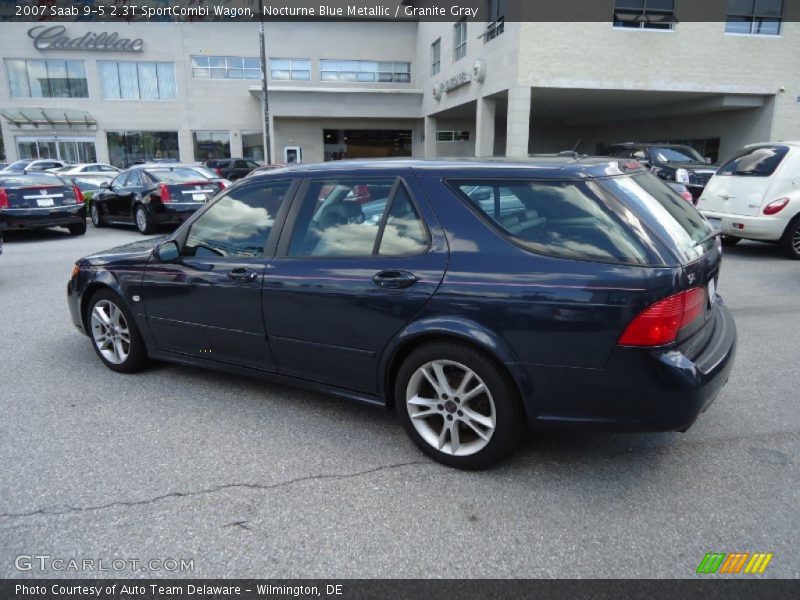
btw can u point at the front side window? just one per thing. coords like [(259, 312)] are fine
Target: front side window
[(364, 71), (137, 80), (644, 14), (239, 223), (226, 67), (357, 218), (754, 17), (298, 69), (562, 219), (436, 56), (459, 40), (47, 78), (211, 144), (755, 162)]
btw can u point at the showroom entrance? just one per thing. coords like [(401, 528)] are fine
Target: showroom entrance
[(366, 143)]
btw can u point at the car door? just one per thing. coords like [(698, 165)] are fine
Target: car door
[(207, 303), (109, 201), (359, 258), (134, 186)]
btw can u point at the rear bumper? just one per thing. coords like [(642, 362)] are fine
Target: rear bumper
[(174, 213), (640, 389), (34, 218), (764, 228)]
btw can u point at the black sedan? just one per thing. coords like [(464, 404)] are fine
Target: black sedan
[(474, 298), (39, 200), (151, 196)]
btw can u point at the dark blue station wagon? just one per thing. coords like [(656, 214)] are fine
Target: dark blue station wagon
[(477, 298)]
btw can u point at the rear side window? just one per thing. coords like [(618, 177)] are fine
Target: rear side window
[(562, 219), (755, 162)]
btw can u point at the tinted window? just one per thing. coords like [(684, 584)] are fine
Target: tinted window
[(404, 233), (564, 219), (239, 223), (755, 162), (176, 175)]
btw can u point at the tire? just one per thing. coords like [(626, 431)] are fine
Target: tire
[(77, 228), (97, 218), (115, 337), (790, 241), (488, 425), (729, 240), (143, 221)]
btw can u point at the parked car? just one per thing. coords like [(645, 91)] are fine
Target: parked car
[(671, 162), (39, 200), (3, 166), (97, 171), (756, 196), (147, 161), (32, 164), (592, 304), (231, 168), (267, 168), (151, 196), (203, 171), (88, 187)]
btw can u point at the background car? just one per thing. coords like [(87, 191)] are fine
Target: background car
[(671, 162), (97, 171), (231, 168), (590, 301), (151, 195), (34, 164), (39, 200), (756, 196), (267, 168)]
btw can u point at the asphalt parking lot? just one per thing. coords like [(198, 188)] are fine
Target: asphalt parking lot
[(249, 479)]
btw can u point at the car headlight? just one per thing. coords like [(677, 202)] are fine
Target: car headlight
[(682, 176)]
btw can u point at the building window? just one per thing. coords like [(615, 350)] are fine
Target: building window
[(74, 149), (365, 71), (290, 68), (253, 145), (754, 17), (436, 56), (644, 14), (128, 147), (225, 67), (212, 144), (460, 39), (47, 78), (497, 19), (452, 136), (137, 80)]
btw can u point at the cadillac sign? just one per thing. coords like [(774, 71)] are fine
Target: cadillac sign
[(478, 75), (55, 38)]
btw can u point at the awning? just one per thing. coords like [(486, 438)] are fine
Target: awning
[(30, 116)]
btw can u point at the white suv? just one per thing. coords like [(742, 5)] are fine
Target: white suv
[(756, 196)]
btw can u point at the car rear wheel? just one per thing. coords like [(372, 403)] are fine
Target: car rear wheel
[(77, 228), (729, 240), (114, 333), (458, 406), (143, 221), (790, 242), (97, 218)]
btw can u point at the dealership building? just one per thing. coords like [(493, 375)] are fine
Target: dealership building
[(121, 92)]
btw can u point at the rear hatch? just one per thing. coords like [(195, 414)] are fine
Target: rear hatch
[(743, 184), (35, 191)]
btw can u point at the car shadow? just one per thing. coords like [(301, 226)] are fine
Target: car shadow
[(27, 236), (748, 250)]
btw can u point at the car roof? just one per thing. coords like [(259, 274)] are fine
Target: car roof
[(793, 144), (540, 167)]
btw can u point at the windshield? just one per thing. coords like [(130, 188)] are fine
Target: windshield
[(682, 154), (183, 175), (755, 162), (206, 172)]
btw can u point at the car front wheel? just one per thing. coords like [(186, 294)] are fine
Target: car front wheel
[(114, 333), (458, 405)]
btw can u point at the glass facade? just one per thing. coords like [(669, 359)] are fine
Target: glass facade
[(290, 68), (137, 80), (73, 149), (211, 144), (46, 78), (754, 17), (226, 67), (126, 147)]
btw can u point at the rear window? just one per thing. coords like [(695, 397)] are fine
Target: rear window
[(30, 179), (561, 219), (755, 162), (176, 175)]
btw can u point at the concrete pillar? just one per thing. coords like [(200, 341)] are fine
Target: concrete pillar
[(484, 127), (236, 144), (430, 137), (518, 122)]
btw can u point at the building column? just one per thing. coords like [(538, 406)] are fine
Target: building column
[(518, 122), (430, 137), (484, 127)]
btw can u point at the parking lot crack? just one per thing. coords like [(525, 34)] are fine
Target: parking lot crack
[(66, 509)]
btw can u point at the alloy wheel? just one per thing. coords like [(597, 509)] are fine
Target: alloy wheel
[(110, 332), (796, 239), (141, 220), (451, 407), (95, 215)]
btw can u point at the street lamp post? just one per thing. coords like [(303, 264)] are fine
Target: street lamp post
[(264, 83)]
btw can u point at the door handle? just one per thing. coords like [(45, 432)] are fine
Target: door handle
[(242, 274), (394, 280)]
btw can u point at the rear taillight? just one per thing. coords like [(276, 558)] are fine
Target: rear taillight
[(78, 194), (687, 196), (221, 185), (776, 207), (219, 171), (163, 191), (4, 199), (660, 323)]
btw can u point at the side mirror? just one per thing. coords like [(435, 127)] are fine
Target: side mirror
[(708, 160), (105, 185), (167, 252)]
